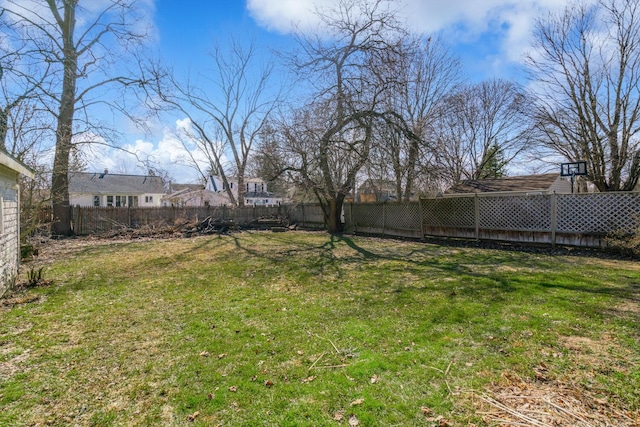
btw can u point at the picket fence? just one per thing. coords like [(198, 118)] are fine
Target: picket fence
[(583, 220)]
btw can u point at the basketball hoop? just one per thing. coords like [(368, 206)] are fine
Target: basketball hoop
[(573, 169)]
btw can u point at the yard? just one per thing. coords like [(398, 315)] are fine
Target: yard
[(290, 329)]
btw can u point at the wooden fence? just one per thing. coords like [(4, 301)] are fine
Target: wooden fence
[(551, 219), (90, 220)]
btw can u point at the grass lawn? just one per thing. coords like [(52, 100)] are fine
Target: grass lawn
[(297, 329)]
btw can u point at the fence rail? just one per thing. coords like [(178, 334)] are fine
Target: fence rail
[(552, 219)]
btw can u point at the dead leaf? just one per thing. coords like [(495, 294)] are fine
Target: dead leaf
[(209, 396), (233, 388), (426, 410), (204, 354), (338, 416), (300, 352), (357, 402), (268, 383), (193, 416), (220, 356), (354, 421), (309, 379), (374, 379)]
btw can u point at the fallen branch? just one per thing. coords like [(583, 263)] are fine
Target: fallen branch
[(561, 409), (513, 412), (332, 366), (317, 360)]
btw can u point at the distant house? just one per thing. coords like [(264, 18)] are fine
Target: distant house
[(377, 190), (530, 184), (194, 196), (256, 191), (10, 171), (115, 190)]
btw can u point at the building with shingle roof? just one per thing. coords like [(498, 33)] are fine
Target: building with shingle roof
[(542, 184), (114, 190)]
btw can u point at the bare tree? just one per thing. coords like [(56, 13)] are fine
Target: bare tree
[(82, 47), (331, 136), (585, 64), (227, 109), (422, 76), (482, 128)]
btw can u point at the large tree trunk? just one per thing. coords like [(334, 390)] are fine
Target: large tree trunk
[(64, 132), (60, 190), (333, 215)]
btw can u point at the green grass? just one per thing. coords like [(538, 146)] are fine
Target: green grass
[(294, 329)]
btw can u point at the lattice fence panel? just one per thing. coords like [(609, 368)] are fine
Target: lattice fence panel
[(598, 212), (522, 213), (402, 216), (368, 215), (449, 212)]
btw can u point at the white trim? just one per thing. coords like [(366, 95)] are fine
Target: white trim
[(15, 165)]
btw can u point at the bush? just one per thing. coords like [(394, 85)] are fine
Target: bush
[(627, 244)]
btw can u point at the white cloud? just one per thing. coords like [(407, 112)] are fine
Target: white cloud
[(460, 21), (167, 154)]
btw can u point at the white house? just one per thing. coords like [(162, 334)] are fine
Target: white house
[(256, 191), (10, 171), (115, 190), (194, 197)]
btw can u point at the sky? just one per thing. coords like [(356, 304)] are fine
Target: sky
[(490, 36)]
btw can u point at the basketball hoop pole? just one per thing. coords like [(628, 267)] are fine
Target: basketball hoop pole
[(573, 169)]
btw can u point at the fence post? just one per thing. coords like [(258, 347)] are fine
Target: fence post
[(384, 218), (554, 218), (421, 216), (353, 223), (476, 208)]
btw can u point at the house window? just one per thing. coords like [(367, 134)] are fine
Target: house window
[(148, 199), (96, 200), (110, 201), (121, 201), (133, 201)]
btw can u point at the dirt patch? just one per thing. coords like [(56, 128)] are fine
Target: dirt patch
[(549, 404)]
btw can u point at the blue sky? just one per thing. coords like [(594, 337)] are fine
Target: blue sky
[(490, 36)]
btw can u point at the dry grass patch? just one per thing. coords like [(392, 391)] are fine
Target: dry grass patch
[(555, 403)]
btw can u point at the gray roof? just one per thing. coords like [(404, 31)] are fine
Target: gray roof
[(179, 187), (111, 183), (508, 183)]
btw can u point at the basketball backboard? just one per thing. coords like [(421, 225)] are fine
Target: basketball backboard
[(573, 168)]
